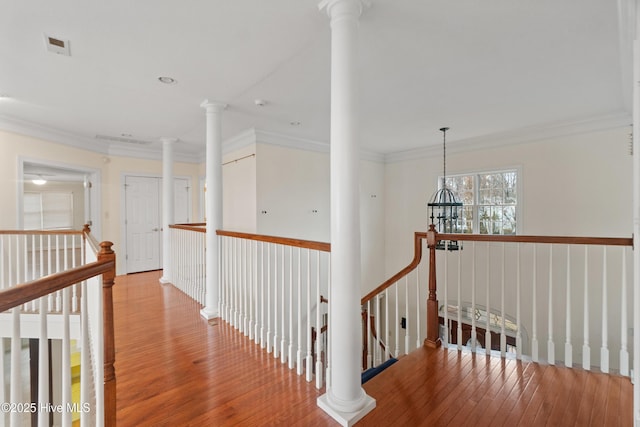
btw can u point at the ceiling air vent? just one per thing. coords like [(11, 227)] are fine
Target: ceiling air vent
[(123, 139), (57, 45)]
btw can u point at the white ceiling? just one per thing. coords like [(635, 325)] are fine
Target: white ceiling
[(483, 68)]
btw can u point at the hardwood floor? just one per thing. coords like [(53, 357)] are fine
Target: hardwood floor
[(175, 369)]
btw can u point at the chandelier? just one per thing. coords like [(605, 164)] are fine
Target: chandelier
[(444, 209)]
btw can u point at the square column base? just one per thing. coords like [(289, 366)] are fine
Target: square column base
[(207, 314), (164, 281), (346, 419)]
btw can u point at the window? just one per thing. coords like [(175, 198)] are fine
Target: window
[(48, 211), (490, 201)]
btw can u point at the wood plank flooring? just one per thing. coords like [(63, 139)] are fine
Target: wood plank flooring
[(175, 369)]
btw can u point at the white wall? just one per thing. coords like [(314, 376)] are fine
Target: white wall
[(239, 190), (577, 185), (285, 192)]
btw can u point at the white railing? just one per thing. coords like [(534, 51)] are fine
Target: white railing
[(275, 290), (546, 299), (188, 261), (394, 314), (57, 316)]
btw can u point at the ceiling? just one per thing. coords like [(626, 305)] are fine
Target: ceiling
[(486, 69)]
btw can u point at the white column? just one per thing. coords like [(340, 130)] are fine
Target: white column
[(636, 217), (213, 204), (345, 400), (167, 207)]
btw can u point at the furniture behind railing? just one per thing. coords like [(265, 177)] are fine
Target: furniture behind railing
[(547, 299), (62, 314)]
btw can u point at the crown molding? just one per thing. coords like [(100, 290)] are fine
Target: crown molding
[(519, 136), (254, 135), (50, 134), (153, 153)]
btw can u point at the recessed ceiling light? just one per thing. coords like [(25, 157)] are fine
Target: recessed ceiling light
[(126, 135), (167, 80), (294, 123)]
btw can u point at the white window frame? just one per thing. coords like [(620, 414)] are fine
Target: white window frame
[(44, 209), (476, 190)]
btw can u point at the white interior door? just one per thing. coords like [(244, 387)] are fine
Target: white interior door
[(143, 223)]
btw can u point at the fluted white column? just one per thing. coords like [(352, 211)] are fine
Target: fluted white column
[(345, 400), (213, 203), (167, 207)]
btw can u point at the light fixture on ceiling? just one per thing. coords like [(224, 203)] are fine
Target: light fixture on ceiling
[(167, 80), (445, 209), (39, 180), (294, 123)]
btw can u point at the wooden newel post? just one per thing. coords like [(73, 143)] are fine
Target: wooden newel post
[(106, 254), (433, 329)]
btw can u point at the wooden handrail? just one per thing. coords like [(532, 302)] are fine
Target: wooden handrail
[(417, 257), (198, 227), (563, 240), (299, 243), (41, 232), (105, 266), (17, 295)]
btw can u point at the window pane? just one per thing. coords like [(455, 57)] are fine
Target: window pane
[(57, 210), (32, 211)]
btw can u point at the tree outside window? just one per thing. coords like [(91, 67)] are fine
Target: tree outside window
[(490, 201)]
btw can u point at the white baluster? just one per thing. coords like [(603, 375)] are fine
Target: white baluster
[(268, 298), (624, 352), (459, 304), (568, 348), (551, 353), (319, 346), (263, 340), (283, 311), (586, 349), (251, 288), (276, 352), (309, 360), (406, 310), (487, 333), (534, 304), (245, 288), (49, 271), (33, 268), (384, 337), (376, 350), (16, 368), (604, 350), (369, 337), (474, 336), (518, 308), (503, 335), (397, 328), (418, 303), (291, 357), (65, 374), (445, 306), (256, 333), (299, 307), (84, 354), (3, 380), (74, 263), (43, 363)]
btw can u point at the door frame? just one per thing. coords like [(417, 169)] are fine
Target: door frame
[(95, 201), (123, 207)]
